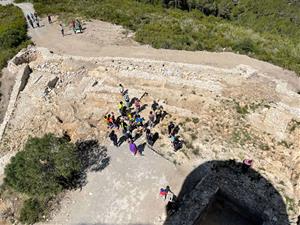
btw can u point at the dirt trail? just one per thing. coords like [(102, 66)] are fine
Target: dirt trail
[(105, 39), (99, 39), (126, 192)]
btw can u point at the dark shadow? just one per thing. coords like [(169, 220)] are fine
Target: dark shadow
[(121, 140), (113, 224), (141, 148), (93, 158), (155, 137), (143, 107), (219, 193)]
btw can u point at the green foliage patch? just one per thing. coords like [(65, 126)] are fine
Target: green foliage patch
[(13, 32), (267, 31), (45, 167)]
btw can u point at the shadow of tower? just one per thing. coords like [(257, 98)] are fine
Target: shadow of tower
[(219, 187)]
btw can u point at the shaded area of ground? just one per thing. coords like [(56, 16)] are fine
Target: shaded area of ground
[(216, 192)]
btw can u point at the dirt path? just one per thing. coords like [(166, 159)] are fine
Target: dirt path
[(105, 39), (125, 192)]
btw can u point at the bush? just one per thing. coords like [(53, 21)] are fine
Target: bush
[(13, 32), (44, 168), (49, 165), (32, 211)]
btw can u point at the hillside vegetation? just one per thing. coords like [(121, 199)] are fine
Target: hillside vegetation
[(267, 30), (13, 32), (44, 168)]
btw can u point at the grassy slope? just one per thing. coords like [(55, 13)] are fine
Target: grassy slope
[(268, 31), (13, 32)]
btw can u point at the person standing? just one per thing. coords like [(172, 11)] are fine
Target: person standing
[(62, 29), (73, 26), (121, 89), (113, 137), (49, 19), (137, 105), (149, 137), (170, 127), (132, 147), (30, 21), (37, 22), (127, 100), (32, 17), (151, 119)]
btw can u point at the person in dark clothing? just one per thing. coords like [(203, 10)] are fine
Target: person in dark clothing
[(31, 23), (170, 127), (128, 135), (37, 22), (177, 144), (149, 137), (113, 137), (159, 114), (32, 17), (176, 130), (124, 126), (36, 16), (73, 26), (49, 19), (154, 106), (62, 30)]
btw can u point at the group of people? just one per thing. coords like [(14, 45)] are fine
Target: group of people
[(33, 20), (76, 27), (131, 123), (173, 130)]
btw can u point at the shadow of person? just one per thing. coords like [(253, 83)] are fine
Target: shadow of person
[(219, 193)]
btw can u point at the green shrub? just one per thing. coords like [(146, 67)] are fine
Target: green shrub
[(13, 32), (32, 211), (45, 167)]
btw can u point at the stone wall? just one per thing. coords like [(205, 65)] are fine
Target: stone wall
[(20, 83)]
